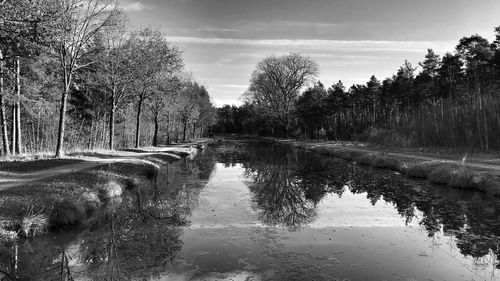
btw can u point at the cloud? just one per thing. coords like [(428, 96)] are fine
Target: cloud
[(134, 7), (234, 86), (404, 46), (216, 29)]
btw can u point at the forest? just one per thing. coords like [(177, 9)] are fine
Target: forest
[(452, 102), (74, 75)]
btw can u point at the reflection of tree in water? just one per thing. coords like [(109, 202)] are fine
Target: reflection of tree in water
[(134, 239), (127, 246), (140, 238), (284, 191), (287, 185), (280, 197)]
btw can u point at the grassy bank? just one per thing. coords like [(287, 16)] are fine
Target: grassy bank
[(456, 174), (78, 188)]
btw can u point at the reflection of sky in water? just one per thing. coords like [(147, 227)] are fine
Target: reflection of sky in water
[(269, 213), (349, 238)]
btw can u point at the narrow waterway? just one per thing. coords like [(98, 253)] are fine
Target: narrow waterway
[(249, 210)]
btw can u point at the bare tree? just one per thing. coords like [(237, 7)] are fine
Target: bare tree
[(164, 98), (115, 71), (277, 81), (153, 55), (79, 22)]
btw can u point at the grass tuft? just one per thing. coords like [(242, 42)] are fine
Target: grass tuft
[(33, 223)]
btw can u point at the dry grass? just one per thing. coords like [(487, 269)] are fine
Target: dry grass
[(73, 197), (438, 172), (387, 163), (419, 170), (7, 232), (489, 183), (34, 222), (67, 199), (440, 175)]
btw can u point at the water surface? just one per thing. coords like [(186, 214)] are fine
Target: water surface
[(248, 210)]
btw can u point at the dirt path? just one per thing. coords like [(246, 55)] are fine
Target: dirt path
[(20, 173)]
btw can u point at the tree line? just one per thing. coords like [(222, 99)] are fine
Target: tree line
[(453, 101), (75, 75)]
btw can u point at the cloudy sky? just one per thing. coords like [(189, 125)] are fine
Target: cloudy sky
[(351, 40)]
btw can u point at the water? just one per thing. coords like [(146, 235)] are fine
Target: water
[(248, 210)]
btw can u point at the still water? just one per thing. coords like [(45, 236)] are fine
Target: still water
[(248, 210)]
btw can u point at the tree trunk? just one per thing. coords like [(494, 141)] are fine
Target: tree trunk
[(13, 131), (3, 120), (168, 128), (184, 132), (18, 107), (112, 126), (155, 136), (62, 115), (138, 123), (89, 143)]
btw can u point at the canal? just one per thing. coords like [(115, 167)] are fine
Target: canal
[(252, 210)]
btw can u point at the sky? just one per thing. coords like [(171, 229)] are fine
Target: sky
[(351, 40)]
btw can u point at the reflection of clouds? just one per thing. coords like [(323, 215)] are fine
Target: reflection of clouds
[(230, 276), (284, 182), (216, 276)]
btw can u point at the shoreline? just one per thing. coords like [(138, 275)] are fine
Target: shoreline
[(472, 175), (37, 196)]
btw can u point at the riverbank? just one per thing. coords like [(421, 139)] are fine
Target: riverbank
[(39, 195), (480, 174)]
